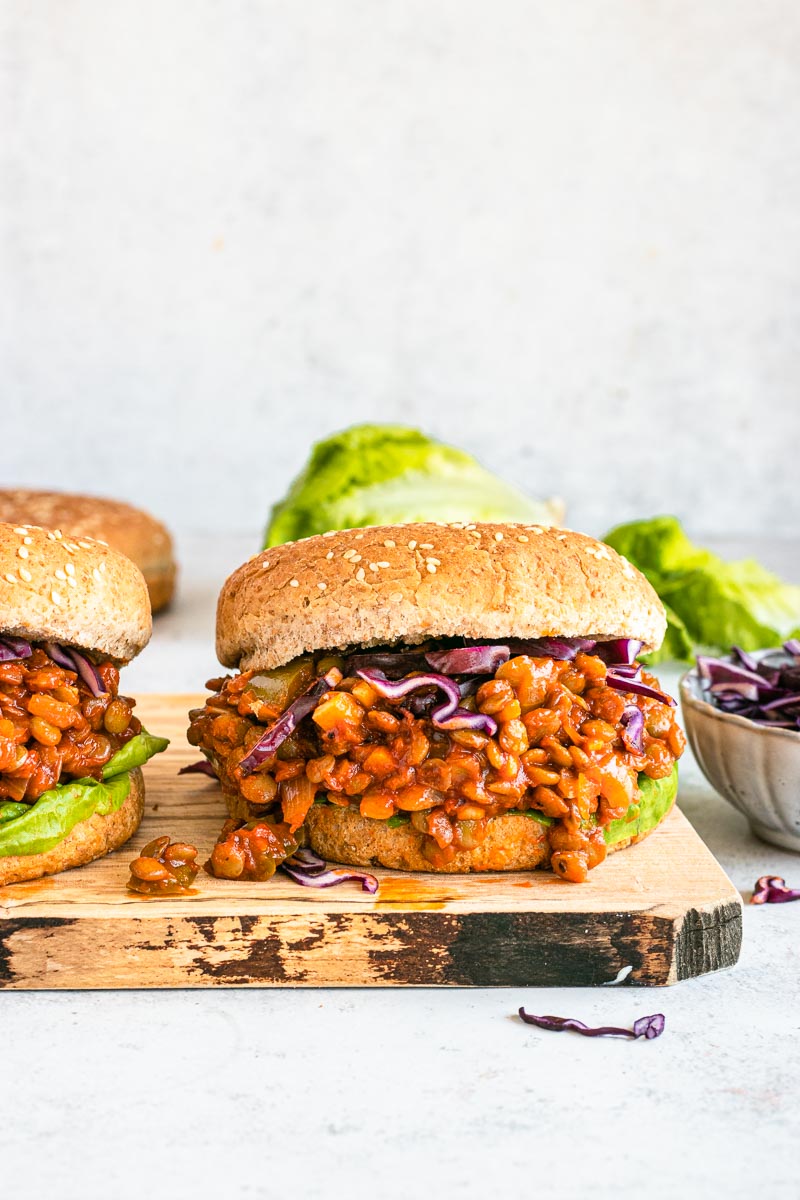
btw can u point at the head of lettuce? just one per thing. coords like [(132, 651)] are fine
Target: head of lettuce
[(711, 604), (388, 475)]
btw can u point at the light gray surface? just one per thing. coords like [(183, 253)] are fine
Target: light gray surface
[(565, 235), (392, 1094)]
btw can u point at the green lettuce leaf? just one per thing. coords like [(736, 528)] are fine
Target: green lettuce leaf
[(711, 604), (135, 753), (656, 797), (37, 828), (388, 474), (56, 812)]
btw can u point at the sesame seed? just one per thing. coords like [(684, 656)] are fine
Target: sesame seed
[(96, 575), (562, 537), (56, 597), (294, 583), (437, 562), (396, 597), (359, 536), (523, 538), (21, 530), (329, 554), (71, 581), (28, 541), (498, 537), (102, 564), (10, 578), (264, 566), (322, 586), (26, 575), (536, 529), (426, 545), (329, 533), (475, 533), (384, 564), (85, 545), (412, 545), (23, 552), (348, 553), (356, 558), (361, 574), (69, 548), (389, 544), (373, 566), (51, 537), (58, 535), (432, 568), (60, 575)]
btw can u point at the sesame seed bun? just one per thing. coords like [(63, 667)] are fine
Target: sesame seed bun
[(89, 839), (71, 590), (130, 530), (392, 583)]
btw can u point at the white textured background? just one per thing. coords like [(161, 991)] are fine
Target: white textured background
[(564, 235)]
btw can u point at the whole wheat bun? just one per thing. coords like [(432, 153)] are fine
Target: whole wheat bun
[(71, 590), (513, 842), (89, 839), (405, 583), (130, 530)]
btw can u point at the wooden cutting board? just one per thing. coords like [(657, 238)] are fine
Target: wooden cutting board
[(656, 913)]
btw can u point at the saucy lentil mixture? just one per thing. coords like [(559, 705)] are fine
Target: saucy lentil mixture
[(561, 749), (52, 728)]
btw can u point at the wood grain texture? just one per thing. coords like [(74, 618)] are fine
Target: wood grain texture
[(664, 909)]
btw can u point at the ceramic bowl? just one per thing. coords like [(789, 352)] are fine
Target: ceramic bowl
[(754, 767)]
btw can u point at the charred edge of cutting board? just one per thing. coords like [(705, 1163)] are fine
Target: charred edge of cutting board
[(708, 941), (493, 949), (26, 926)]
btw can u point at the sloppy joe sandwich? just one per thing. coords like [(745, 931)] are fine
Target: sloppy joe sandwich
[(455, 698), (72, 613), (130, 530)]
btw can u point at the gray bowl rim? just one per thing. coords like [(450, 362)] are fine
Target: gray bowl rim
[(691, 693)]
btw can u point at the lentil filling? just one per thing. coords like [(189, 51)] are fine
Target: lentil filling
[(561, 752), (52, 728)]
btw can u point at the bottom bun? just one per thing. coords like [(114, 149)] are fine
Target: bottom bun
[(513, 842), (88, 840)]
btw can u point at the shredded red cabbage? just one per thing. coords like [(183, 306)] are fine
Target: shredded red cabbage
[(468, 660), (625, 683), (73, 660), (393, 663), (619, 652), (12, 648), (644, 1027), (563, 648), (632, 722), (202, 767), (288, 721), (309, 861), (445, 716), (772, 889), (304, 867), (765, 690)]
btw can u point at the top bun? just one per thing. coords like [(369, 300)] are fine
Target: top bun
[(75, 591), (391, 583), (130, 530)]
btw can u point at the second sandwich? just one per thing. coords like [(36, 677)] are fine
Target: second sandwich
[(441, 698)]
